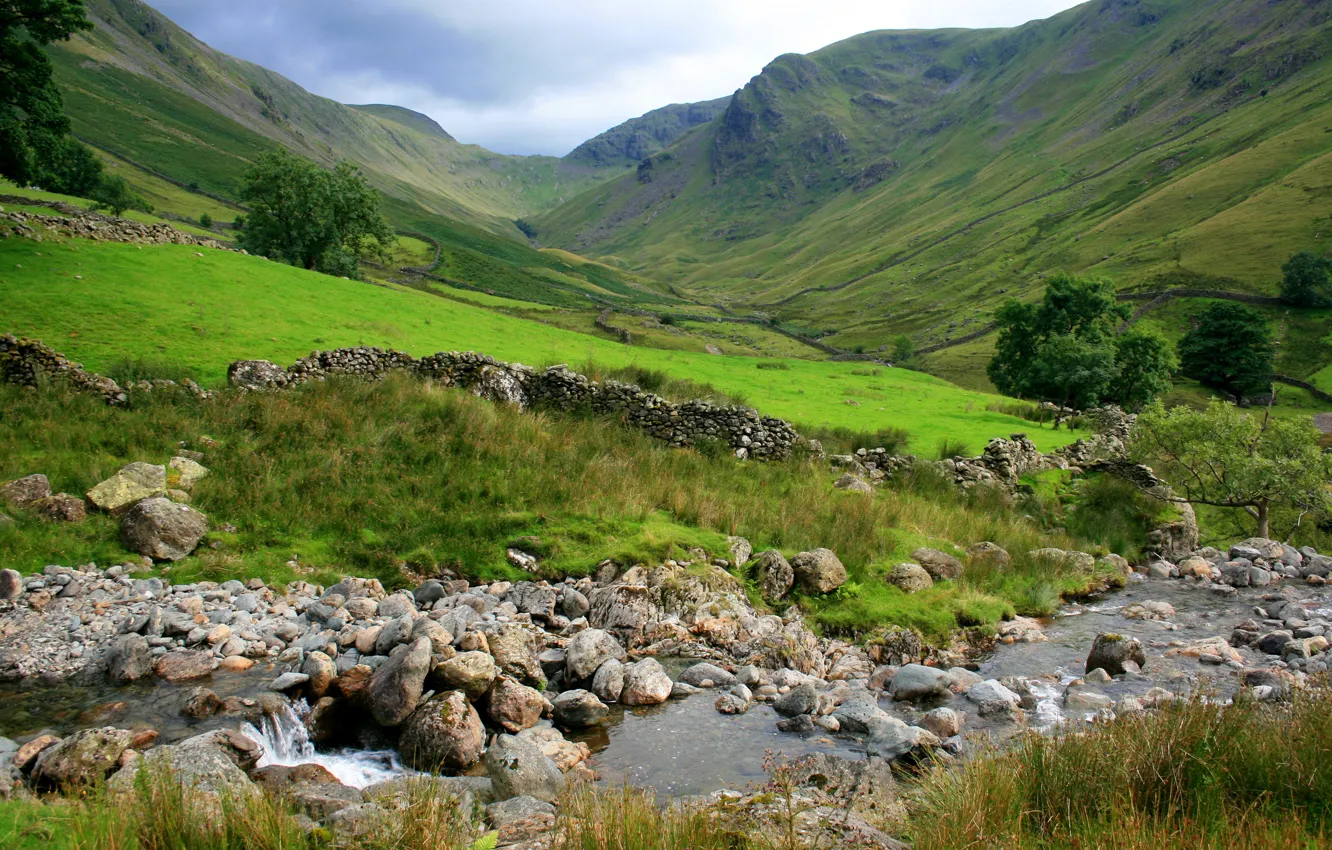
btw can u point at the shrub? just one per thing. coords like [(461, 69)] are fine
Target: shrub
[(949, 448), (779, 365), (206, 221)]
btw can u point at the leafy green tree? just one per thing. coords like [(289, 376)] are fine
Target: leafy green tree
[(1229, 459), (239, 223), (116, 196), (1145, 361), (71, 169), (1230, 349), (205, 221), (307, 216), (903, 349), (33, 125), (1307, 280), (1061, 348), (1072, 371)]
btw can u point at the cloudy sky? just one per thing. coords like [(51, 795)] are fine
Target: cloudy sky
[(541, 76)]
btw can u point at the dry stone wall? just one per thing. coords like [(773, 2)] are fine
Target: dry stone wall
[(743, 431)]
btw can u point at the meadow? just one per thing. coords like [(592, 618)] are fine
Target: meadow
[(104, 303)]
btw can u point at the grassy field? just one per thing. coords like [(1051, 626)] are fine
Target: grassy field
[(102, 303)]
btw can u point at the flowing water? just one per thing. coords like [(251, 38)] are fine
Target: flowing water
[(684, 746)]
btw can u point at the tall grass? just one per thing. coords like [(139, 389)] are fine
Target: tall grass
[(630, 819), (1191, 774), (349, 477), (840, 440)]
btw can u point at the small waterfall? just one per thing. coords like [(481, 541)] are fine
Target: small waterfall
[(285, 741)]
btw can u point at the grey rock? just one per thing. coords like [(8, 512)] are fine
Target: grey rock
[(918, 682), (588, 651), (470, 672), (1111, 652), (774, 574), (395, 688), (132, 484), (130, 659), (162, 529), (645, 683), (518, 768), (819, 571), (910, 578), (579, 709), (443, 733), (802, 699), (705, 672), (608, 682), (940, 565)]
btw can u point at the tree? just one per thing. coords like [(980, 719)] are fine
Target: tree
[(205, 221), (1145, 363), (116, 196), (1305, 280), (33, 125), (903, 349), (1064, 349), (1230, 459), (1072, 372), (1230, 349), (239, 223), (306, 216)]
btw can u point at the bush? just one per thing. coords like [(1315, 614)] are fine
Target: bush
[(778, 365), (206, 221), (841, 440), (948, 448)]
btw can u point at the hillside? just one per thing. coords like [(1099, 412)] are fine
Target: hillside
[(627, 144), (141, 87), (907, 182)]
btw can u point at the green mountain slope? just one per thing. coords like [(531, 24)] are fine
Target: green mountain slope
[(142, 87), (909, 181), (627, 144)]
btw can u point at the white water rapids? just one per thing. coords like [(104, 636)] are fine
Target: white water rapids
[(285, 741)]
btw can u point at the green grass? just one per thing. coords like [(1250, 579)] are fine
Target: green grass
[(1192, 774), (356, 478), (203, 309)]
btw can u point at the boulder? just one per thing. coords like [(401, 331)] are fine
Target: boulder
[(512, 648), (470, 672), (1059, 557), (62, 507), (129, 659), (900, 741), (918, 682), (443, 733), (579, 709), (514, 707), (162, 530), (911, 578), (22, 492), (587, 651), (943, 722), (185, 473), (83, 759), (203, 764), (802, 699), (132, 484), (740, 550), (731, 704), (11, 585), (990, 556), (940, 565), (774, 575), (396, 685), (853, 484), (608, 683), (321, 670), (622, 606), (1111, 652), (184, 664), (645, 683), (520, 820), (993, 698), (518, 768), (818, 571), (574, 604), (703, 672)]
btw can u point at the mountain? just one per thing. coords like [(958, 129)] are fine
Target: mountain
[(407, 118), (910, 181), (140, 87), (630, 142)]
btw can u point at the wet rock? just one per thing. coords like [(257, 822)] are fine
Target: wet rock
[(183, 665), (470, 672), (206, 764), (289, 682), (703, 672), (801, 724), (943, 722), (802, 699), (818, 571), (993, 698), (579, 709), (132, 484), (83, 759), (1149, 610), (396, 686), (514, 707), (26, 756), (201, 703), (1112, 652), (910, 578), (940, 565), (130, 659), (892, 742), (681, 690), (918, 682), (608, 682), (518, 768), (1090, 701), (321, 670), (162, 530), (587, 651), (443, 733), (645, 683), (774, 575), (22, 492)]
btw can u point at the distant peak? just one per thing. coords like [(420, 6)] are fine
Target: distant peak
[(407, 118)]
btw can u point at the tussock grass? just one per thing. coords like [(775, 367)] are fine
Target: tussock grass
[(1190, 775), (630, 819), (348, 477)]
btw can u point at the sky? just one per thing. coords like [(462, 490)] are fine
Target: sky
[(542, 76)]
